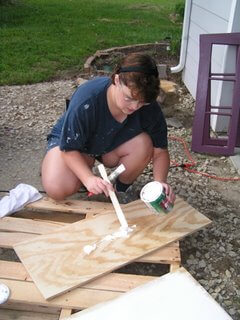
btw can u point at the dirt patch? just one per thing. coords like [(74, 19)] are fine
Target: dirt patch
[(104, 61)]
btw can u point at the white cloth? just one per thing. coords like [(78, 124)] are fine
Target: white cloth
[(18, 197)]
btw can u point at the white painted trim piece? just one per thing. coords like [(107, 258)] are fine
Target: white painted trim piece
[(184, 41), (176, 295), (114, 199), (233, 16)]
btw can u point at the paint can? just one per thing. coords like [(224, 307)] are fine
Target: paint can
[(4, 293), (153, 195)]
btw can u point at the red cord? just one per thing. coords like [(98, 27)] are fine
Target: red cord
[(192, 163)]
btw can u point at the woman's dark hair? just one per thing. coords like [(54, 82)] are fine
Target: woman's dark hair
[(139, 73)]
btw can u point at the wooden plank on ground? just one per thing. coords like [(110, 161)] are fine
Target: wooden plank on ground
[(174, 266), (27, 293), (120, 282), (26, 307), (7, 314), (65, 313), (29, 225), (166, 255), (9, 239), (57, 262), (49, 216), (13, 270), (70, 206)]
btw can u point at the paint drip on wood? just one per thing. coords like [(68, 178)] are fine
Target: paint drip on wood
[(121, 233)]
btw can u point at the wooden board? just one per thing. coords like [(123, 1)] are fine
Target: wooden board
[(49, 215), (7, 314), (57, 263), (173, 296), (27, 292), (28, 307), (41, 222), (9, 239), (28, 225), (25, 295), (70, 206), (120, 282), (24, 291), (166, 255), (19, 230)]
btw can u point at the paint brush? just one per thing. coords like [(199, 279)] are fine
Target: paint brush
[(113, 176), (116, 205)]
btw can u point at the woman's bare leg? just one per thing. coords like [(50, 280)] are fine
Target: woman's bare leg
[(135, 154), (58, 180)]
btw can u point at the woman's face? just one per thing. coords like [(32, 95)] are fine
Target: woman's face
[(124, 99)]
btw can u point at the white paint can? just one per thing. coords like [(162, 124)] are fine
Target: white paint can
[(4, 293), (153, 195)]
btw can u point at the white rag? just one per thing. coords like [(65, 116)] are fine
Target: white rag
[(18, 197)]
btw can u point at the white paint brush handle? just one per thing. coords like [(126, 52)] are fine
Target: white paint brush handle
[(114, 199), (116, 173)]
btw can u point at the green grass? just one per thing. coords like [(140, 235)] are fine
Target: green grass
[(44, 39)]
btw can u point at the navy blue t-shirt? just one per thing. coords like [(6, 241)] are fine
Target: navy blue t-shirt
[(89, 127)]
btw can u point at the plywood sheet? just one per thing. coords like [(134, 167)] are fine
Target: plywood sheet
[(57, 262), (30, 228), (173, 296), (19, 230)]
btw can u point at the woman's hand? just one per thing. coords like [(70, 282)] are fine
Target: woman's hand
[(169, 192), (97, 185)]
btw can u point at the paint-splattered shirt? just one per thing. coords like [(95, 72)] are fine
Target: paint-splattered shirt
[(88, 125)]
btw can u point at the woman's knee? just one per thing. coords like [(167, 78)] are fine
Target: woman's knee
[(59, 191), (55, 193), (57, 180), (144, 140), (142, 146)]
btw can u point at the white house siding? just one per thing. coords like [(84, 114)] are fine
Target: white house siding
[(212, 16), (220, 8), (207, 16)]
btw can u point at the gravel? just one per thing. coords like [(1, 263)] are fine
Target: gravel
[(211, 255)]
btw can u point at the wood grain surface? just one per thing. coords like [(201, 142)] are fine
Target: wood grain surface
[(24, 291), (10, 235), (70, 206), (57, 262)]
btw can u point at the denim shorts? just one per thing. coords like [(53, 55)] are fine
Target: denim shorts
[(55, 142), (52, 143)]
